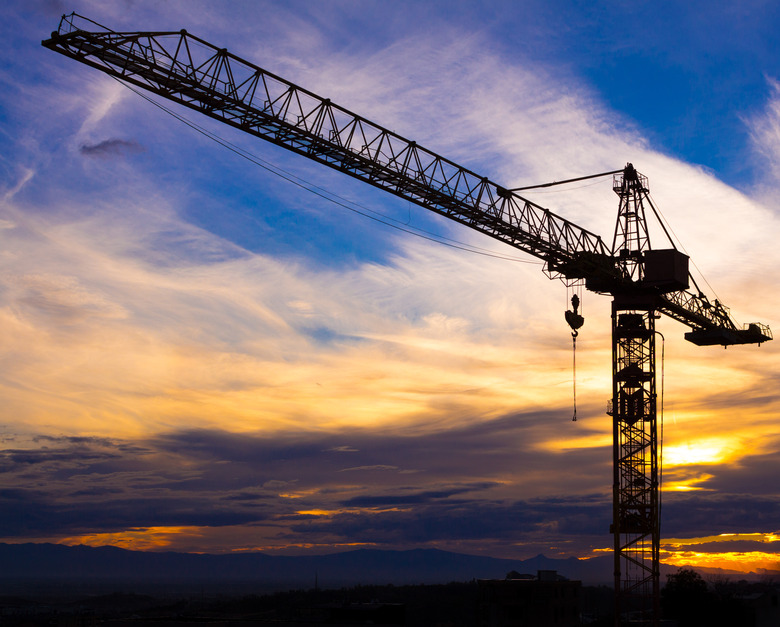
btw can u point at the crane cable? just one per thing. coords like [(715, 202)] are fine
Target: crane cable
[(575, 320), (579, 178), (574, 371), (664, 224), (661, 442)]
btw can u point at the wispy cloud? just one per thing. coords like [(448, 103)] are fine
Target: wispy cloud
[(199, 359), (765, 133)]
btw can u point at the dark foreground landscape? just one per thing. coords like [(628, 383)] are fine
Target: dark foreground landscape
[(726, 604), (451, 605), (63, 586)]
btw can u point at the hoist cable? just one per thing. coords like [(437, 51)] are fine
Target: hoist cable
[(661, 425), (574, 371)]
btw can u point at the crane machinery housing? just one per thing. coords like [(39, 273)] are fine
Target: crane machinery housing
[(644, 282)]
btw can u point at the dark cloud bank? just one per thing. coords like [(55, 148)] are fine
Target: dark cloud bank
[(488, 484)]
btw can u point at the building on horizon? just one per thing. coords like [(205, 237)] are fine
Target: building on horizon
[(544, 600)]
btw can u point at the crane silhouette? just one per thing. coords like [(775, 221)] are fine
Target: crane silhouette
[(644, 282)]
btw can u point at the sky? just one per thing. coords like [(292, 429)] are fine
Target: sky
[(199, 355)]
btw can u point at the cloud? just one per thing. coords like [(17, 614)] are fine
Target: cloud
[(414, 498), (287, 490), (515, 523), (756, 470), (97, 485), (109, 148), (765, 133), (703, 514), (734, 546), (8, 195), (208, 343), (369, 468), (41, 519), (149, 301), (61, 298)]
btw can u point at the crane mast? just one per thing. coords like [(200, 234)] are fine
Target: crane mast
[(636, 525), (643, 282)]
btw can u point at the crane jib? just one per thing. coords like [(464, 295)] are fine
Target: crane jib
[(247, 97), (218, 84)]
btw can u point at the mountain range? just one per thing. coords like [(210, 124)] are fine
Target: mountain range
[(54, 567)]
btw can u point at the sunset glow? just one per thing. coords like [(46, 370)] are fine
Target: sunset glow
[(149, 539), (741, 562), (214, 354), (682, 552), (708, 451)]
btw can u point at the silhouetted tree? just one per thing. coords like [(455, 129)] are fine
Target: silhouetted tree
[(688, 599), (685, 598)]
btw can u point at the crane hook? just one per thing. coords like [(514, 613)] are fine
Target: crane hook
[(574, 319)]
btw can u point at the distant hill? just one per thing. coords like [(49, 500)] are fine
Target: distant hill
[(58, 568), (54, 567)]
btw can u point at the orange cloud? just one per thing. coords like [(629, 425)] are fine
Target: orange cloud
[(721, 552), (137, 539)]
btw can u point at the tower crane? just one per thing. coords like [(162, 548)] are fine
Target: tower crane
[(644, 282)]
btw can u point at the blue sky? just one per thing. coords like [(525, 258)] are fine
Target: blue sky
[(689, 75), (199, 355)]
